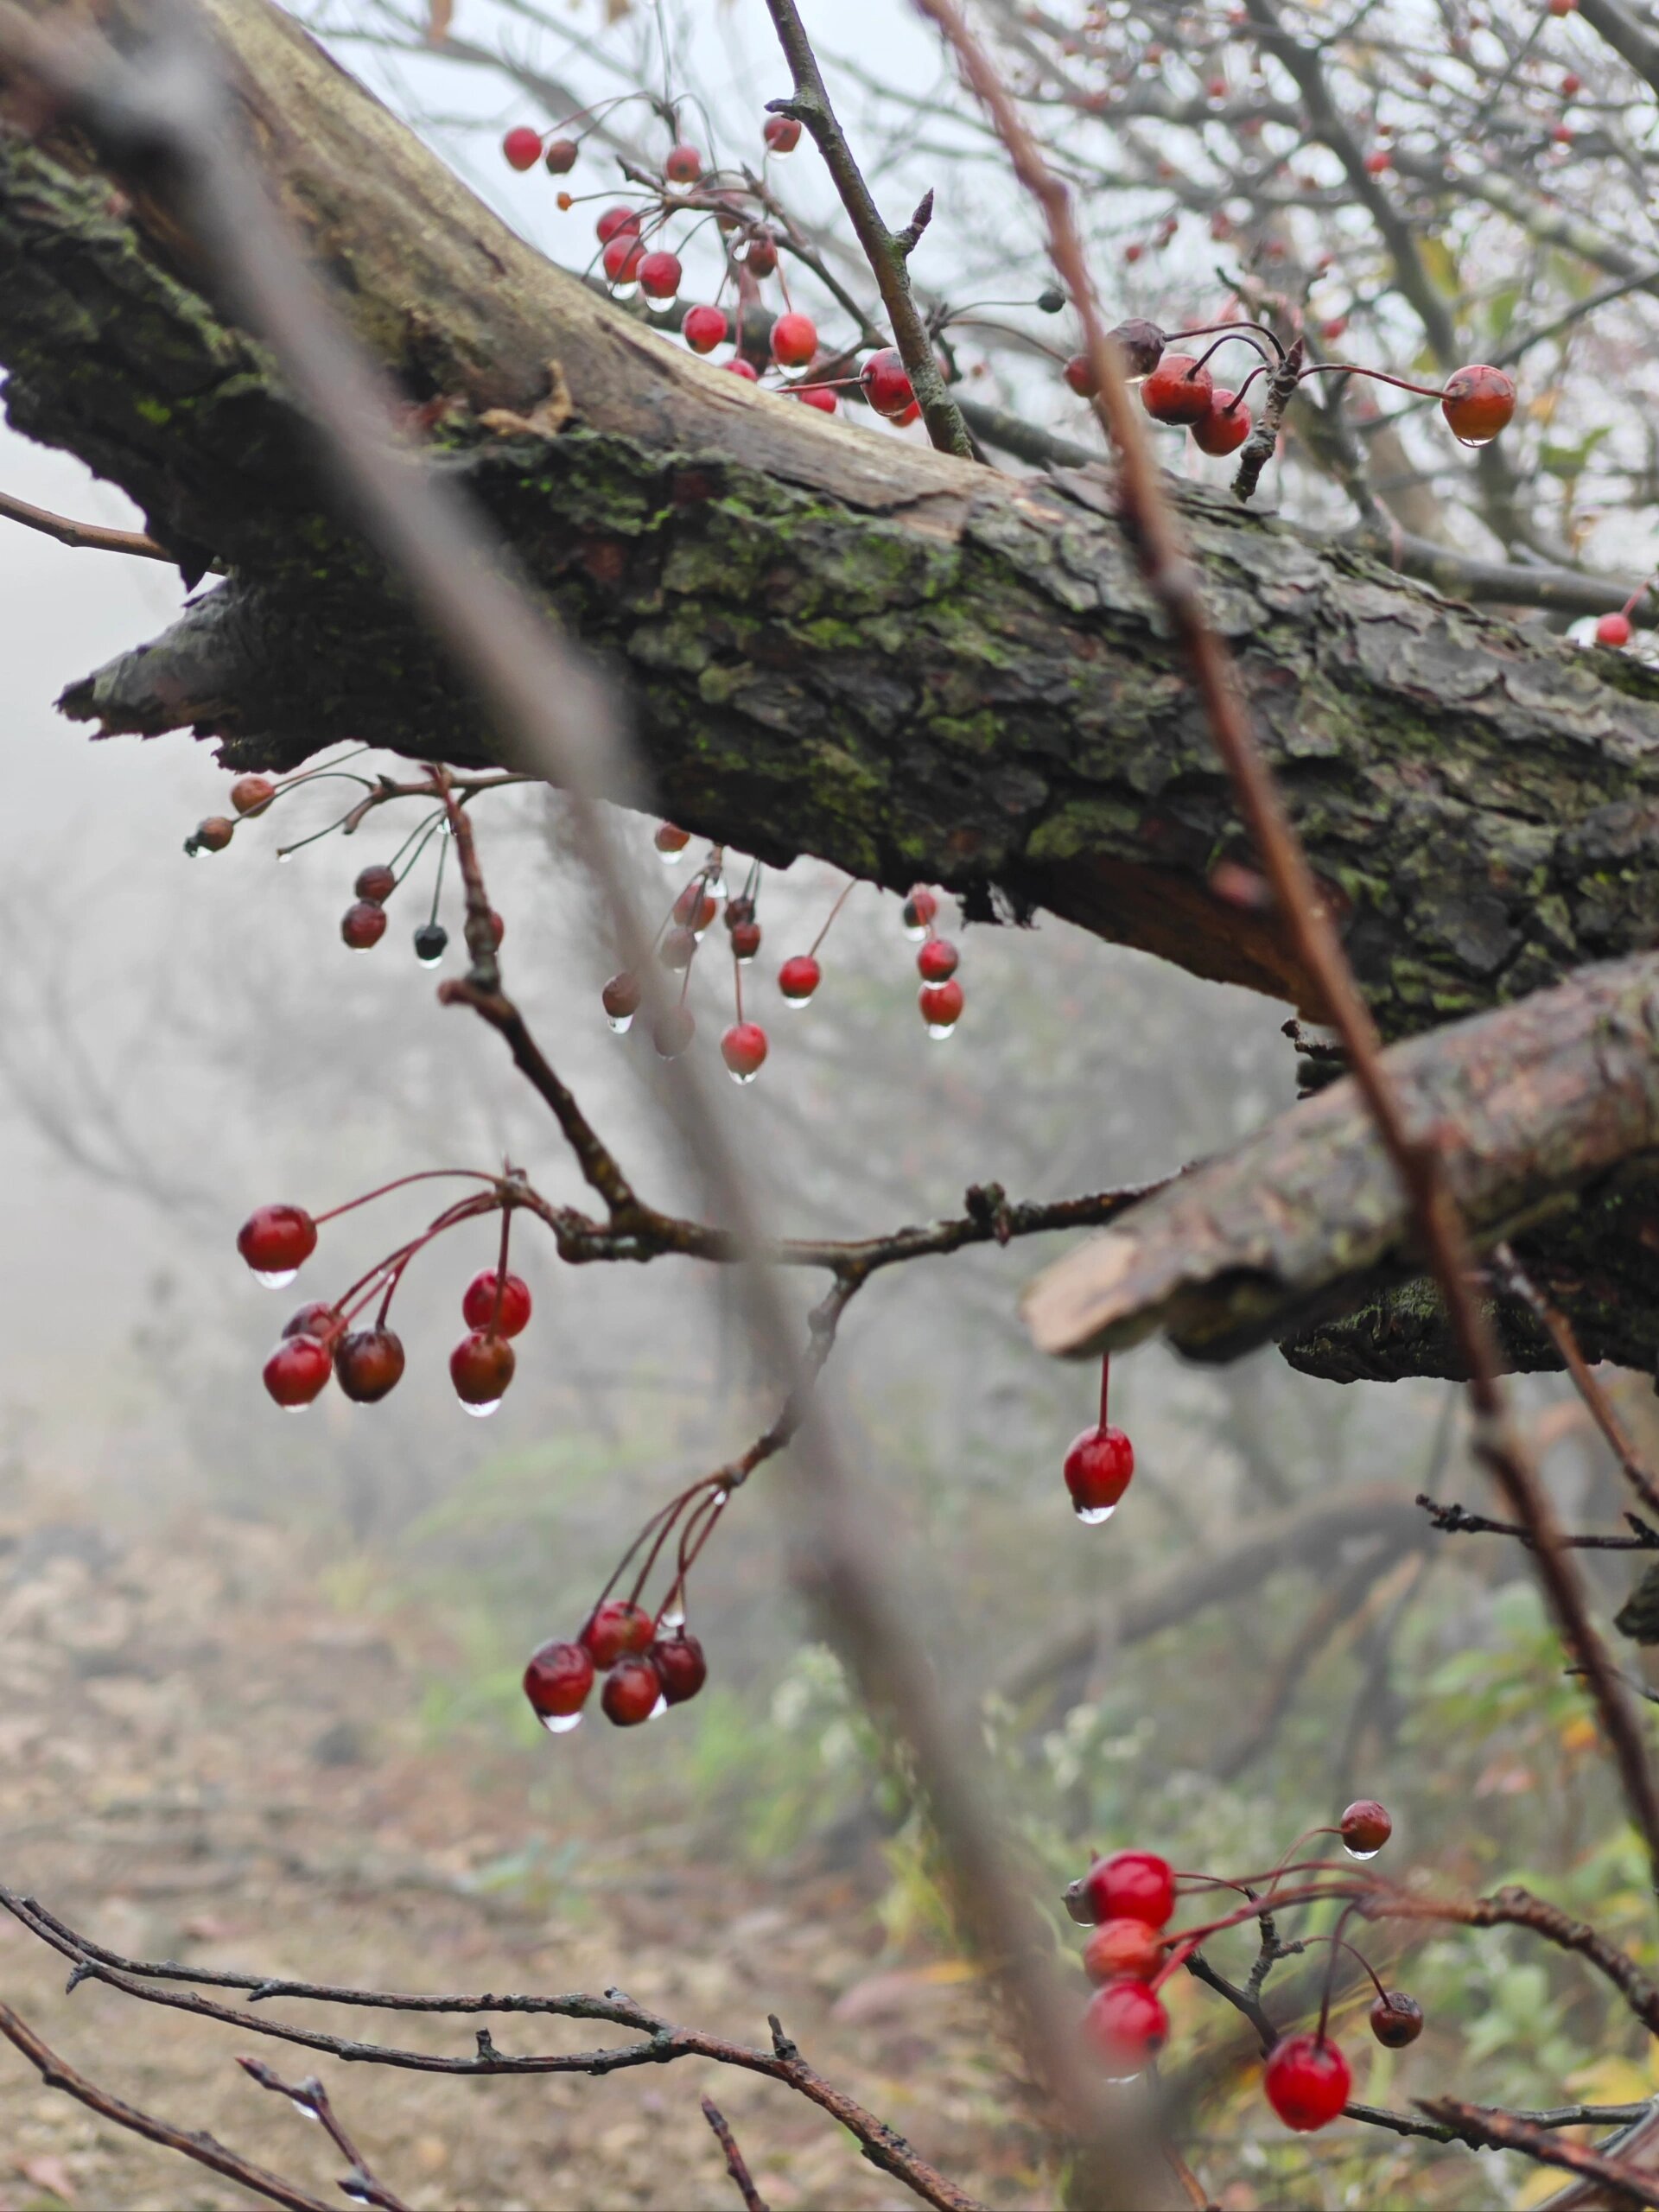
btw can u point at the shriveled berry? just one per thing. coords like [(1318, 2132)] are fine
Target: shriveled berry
[(431, 941), (523, 146), (369, 1362), (614, 222), (794, 340), (761, 255), (683, 165), (631, 1693), (1477, 403), (799, 978), (616, 1630), (318, 1320), (680, 1664), (673, 1031), (1127, 2024), (1396, 2019), (277, 1241), (1141, 344), (1079, 373), (297, 1371), (1123, 1950), (937, 961), (705, 327), (560, 156), (1613, 630), (480, 1367), (249, 793), (1098, 1468), (1308, 2081), (1227, 425), (746, 940), (743, 1048), (1131, 1885), (1366, 1826), (557, 1681), (375, 882), (659, 275), (620, 998), (941, 1005), (363, 924), (885, 382), (622, 258), (479, 1308), (782, 134), (212, 835), (1178, 391), (920, 909)]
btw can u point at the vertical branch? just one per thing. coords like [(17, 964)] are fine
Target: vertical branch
[(736, 2165)]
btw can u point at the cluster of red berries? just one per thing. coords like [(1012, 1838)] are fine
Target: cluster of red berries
[(647, 1666), (1099, 1464), (319, 1341), (1130, 1898)]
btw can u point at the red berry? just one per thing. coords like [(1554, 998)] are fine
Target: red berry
[(369, 1362), (938, 960), (659, 275), (673, 1031), (498, 929), (376, 882), (1613, 630), (1178, 391), (249, 793), (738, 367), (631, 1693), (1097, 1470), (819, 396), (1380, 163), (211, 835), (1365, 1827), (480, 1367), (761, 255), (560, 156), (1477, 403), (794, 340), (614, 222), (941, 1005), (681, 1667), (912, 414), (745, 939), (297, 1371), (1225, 428), (1572, 85), (364, 925), (1563, 134), (1306, 2080), (316, 1320), (1127, 2024), (920, 908), (622, 258), (620, 999), (1123, 1950), (1131, 1885), (1562, 7), (704, 328), (669, 840), (616, 1630), (683, 165), (1079, 373), (799, 977), (1396, 2019), (695, 905), (557, 1682), (887, 382), (523, 146), (782, 134), (743, 1048), (276, 1241), (477, 1306)]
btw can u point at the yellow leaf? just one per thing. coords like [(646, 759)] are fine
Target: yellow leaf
[(1580, 1734)]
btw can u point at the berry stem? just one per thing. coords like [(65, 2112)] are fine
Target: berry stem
[(422, 1175), (1216, 345), (1337, 1944), (852, 886), (1229, 330), (1377, 375), (1105, 1383)]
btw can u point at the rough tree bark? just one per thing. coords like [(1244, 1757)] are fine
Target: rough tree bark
[(836, 644)]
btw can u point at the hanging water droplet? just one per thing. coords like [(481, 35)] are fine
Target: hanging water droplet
[(658, 1709), (797, 1006), (620, 1022), (355, 2191), (673, 859), (1352, 1854), (661, 306), (939, 1030), (305, 2111), (672, 1618), (1092, 1516), (623, 291), (738, 1075), (917, 934), (714, 885), (481, 1412), (721, 1496), (285, 855), (275, 1278), (560, 1724)]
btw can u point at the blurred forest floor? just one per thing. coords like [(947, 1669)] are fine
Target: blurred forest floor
[(201, 1758)]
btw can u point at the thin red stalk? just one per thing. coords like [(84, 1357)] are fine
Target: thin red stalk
[(1105, 1381), (851, 886), (1377, 375), (425, 1175)]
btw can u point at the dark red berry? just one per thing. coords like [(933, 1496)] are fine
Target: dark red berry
[(1396, 2019), (523, 146), (885, 382), (1613, 630), (621, 998), (614, 221), (315, 1320), (1131, 1885), (920, 907), (782, 134), (276, 1241), (211, 835), (1308, 2081), (1178, 391), (761, 255), (941, 1005), (249, 793), (631, 1693), (1079, 373), (673, 1031), (560, 156), (368, 1364), (617, 1629), (681, 1667), (1127, 2026), (557, 1681), (794, 340), (480, 1367), (297, 1371), (1098, 1467), (683, 165), (703, 329), (479, 1309), (743, 1048), (1365, 1827), (1477, 403), (669, 841), (937, 961), (362, 926), (799, 978), (1141, 344), (1225, 428), (745, 939), (1123, 1950), (659, 275), (376, 882), (695, 906)]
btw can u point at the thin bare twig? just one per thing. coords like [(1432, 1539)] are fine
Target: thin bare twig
[(1453, 1520), (1506, 2131), (735, 2165), (89, 535), (361, 2185)]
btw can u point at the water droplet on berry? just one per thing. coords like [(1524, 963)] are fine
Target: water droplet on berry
[(479, 1411), (739, 1077), (797, 1006), (620, 1022), (560, 1724), (1091, 1516), (278, 1278), (658, 1709), (714, 884), (671, 859), (674, 1617), (623, 290), (1352, 1854), (940, 1030), (917, 934)]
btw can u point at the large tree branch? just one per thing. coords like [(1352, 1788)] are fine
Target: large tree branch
[(839, 644)]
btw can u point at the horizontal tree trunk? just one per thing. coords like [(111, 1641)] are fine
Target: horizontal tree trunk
[(838, 643), (1547, 1114)]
